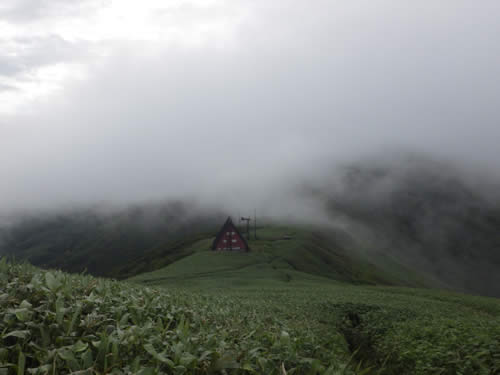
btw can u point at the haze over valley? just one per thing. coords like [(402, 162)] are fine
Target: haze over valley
[(359, 141)]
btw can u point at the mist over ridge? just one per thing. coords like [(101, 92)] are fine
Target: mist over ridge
[(431, 214), (250, 186), (261, 96), (426, 214), (369, 117)]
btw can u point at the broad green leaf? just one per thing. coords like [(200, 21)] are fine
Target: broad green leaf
[(205, 355), (88, 359), (59, 310), (18, 334), (66, 354), (21, 362), (83, 372), (102, 350), (136, 364), (285, 337), (44, 333), (80, 346), (51, 281), (23, 314), (227, 361), (124, 319), (158, 356), (96, 343), (44, 369), (114, 351), (186, 359), (75, 316), (25, 305), (147, 371), (248, 367), (3, 354)]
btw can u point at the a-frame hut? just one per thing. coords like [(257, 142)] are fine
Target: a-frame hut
[(229, 238)]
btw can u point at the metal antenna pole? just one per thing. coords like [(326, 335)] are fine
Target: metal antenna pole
[(247, 219), (255, 222)]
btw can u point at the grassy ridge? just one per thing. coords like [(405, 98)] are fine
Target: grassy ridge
[(145, 239), (142, 239), (53, 322), (283, 253)]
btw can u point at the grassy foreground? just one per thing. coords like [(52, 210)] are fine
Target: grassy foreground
[(56, 323)]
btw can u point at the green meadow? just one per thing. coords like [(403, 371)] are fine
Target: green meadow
[(297, 303), (282, 253)]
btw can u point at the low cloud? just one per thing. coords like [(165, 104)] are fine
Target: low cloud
[(29, 11), (251, 106)]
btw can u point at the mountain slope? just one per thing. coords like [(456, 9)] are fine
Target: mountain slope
[(407, 222), (177, 236), (288, 254), (425, 214), (116, 243)]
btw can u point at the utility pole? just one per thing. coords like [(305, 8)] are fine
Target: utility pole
[(255, 223), (247, 219)]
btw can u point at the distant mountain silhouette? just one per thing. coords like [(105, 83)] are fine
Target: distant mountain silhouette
[(425, 213), (118, 243)]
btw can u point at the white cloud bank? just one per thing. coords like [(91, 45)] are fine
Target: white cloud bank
[(126, 100)]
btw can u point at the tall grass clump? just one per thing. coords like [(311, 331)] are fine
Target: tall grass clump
[(56, 323)]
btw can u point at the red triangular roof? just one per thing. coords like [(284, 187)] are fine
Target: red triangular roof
[(228, 224)]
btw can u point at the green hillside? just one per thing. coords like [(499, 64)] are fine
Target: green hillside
[(424, 213), (113, 243), (408, 223), (286, 254), (304, 300), (172, 241)]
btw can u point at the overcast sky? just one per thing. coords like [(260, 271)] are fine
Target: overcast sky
[(125, 100)]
